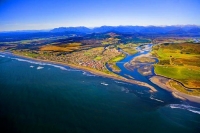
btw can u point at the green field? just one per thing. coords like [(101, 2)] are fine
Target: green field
[(128, 48), (112, 62), (98, 58), (117, 58), (195, 92), (179, 61)]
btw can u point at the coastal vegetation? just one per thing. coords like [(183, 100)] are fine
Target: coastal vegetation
[(144, 59), (128, 48), (64, 47), (112, 62), (177, 86), (179, 61)]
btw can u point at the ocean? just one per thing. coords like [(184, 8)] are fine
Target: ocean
[(39, 97)]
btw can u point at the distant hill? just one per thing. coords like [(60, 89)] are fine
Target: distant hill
[(194, 30), (100, 32), (127, 29), (72, 29), (177, 31), (134, 29)]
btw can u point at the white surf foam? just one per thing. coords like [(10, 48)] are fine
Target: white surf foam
[(120, 82), (194, 111), (88, 74), (57, 66), (40, 67), (43, 64), (156, 99), (185, 107), (29, 61), (104, 84), (2, 55), (62, 68), (31, 66)]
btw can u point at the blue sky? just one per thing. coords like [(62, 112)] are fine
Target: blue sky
[(47, 14)]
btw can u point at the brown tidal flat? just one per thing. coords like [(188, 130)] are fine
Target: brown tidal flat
[(164, 83)]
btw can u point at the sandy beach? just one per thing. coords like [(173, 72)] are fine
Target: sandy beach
[(163, 83), (158, 80), (99, 73)]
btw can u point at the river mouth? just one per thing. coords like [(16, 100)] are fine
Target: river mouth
[(140, 71), (130, 67), (140, 67)]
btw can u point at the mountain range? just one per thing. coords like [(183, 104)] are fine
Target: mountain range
[(148, 31), (193, 29)]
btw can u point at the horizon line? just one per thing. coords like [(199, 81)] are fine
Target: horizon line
[(178, 25)]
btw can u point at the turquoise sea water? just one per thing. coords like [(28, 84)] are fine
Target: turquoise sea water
[(40, 97)]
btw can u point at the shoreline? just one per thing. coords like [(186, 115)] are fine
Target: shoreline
[(95, 72), (156, 79), (176, 81), (163, 83)]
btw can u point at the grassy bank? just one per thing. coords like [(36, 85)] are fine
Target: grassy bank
[(112, 62), (180, 62), (177, 86)]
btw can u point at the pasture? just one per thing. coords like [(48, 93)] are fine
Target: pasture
[(179, 61)]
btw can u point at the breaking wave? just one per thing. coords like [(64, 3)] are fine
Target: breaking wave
[(43, 64), (29, 61), (88, 74), (2, 55), (120, 82), (185, 107), (40, 67), (156, 99), (61, 67), (104, 84)]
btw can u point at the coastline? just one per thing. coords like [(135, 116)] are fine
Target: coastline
[(176, 81), (158, 80), (163, 83), (95, 72)]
